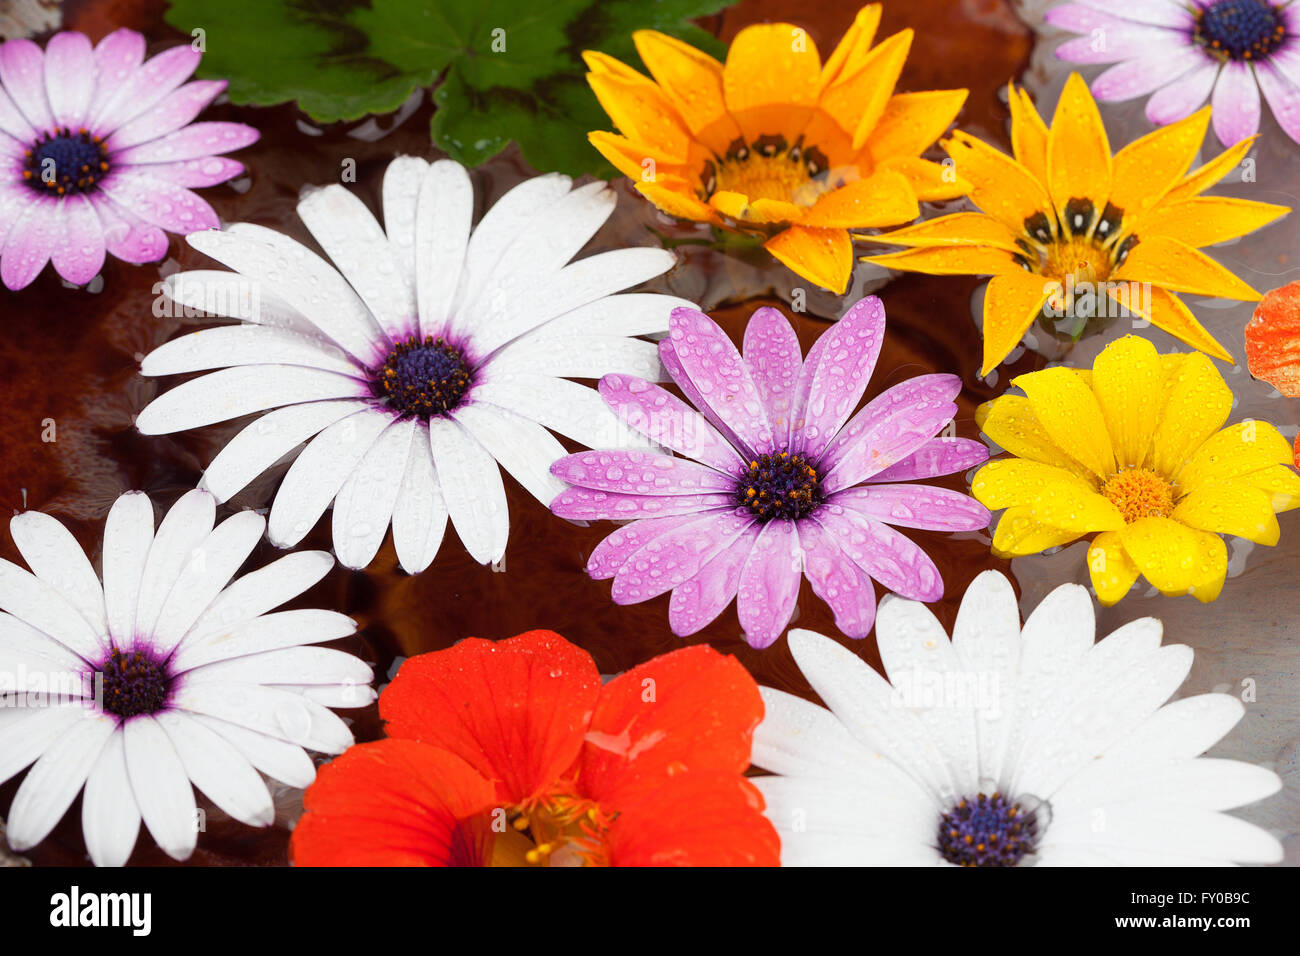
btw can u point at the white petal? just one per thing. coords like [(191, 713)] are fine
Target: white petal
[(53, 783), (1189, 831), (1182, 729), (218, 769), (580, 356), (332, 695), (800, 739), (364, 505), (289, 665), (30, 599), (232, 345), (885, 815), (629, 313), (180, 533), (573, 410), (1211, 784), (110, 818), (260, 591), (986, 638), (352, 238), (284, 761), (318, 473), (265, 633), (443, 213), (269, 711), (55, 557), (26, 733), (128, 535), (217, 292), (263, 442), (162, 789), (20, 641), (472, 488), (420, 514), (525, 449), (401, 192)]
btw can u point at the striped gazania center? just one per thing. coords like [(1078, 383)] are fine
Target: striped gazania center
[(769, 167), (1080, 248)]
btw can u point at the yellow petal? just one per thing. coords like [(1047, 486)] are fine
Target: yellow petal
[(1167, 553), (692, 81), (730, 203), (1195, 405), (1174, 265), (1010, 422), (1203, 177), (1000, 186), (857, 100), (642, 113), (1018, 481), (1146, 168), (1168, 312), (1019, 534), (1206, 220), (1028, 133), (1210, 568), (677, 201), (823, 256), (771, 64), (912, 122), (775, 211), (959, 229), (949, 260), (629, 158), (606, 65), (1011, 304), (1069, 412), (1128, 380), (1231, 507), (1078, 152), (1234, 452), (1110, 568), (880, 200), (1280, 483), (931, 182), (849, 54)]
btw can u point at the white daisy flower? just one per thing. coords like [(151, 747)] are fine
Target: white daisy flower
[(168, 674), (1005, 746), (437, 353)]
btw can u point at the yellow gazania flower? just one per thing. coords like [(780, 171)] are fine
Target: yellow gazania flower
[(1066, 215), (1134, 450), (775, 143)]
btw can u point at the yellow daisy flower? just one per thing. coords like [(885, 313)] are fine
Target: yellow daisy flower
[(775, 143), (1135, 451), (1065, 215)]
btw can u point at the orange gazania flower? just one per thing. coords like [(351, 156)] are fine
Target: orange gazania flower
[(513, 753), (775, 143)]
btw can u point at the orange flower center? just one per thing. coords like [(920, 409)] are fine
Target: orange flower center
[(1139, 493), (1080, 248), (559, 829), (769, 168)]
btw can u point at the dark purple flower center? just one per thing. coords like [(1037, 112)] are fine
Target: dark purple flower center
[(134, 683), (987, 831), (781, 485), (1240, 29), (65, 163), (423, 377)]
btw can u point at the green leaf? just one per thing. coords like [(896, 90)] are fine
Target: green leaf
[(505, 69)]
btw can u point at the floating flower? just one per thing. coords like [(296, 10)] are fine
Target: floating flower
[(167, 674), (777, 479), (1005, 747), (513, 753), (1137, 452), (775, 143), (438, 353), (1273, 340), (1183, 52), (1068, 226), (100, 154)]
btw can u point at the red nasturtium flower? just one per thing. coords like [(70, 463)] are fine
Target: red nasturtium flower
[(512, 752)]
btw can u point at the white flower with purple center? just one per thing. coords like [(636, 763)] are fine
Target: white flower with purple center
[(98, 154), (777, 480), (170, 674), (1182, 53), (1005, 746)]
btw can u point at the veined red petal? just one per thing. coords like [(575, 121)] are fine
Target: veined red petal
[(514, 710), (692, 709), (395, 803), (709, 818)]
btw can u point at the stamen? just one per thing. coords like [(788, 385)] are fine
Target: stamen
[(423, 378), (1239, 29), (987, 831), (134, 683), (1139, 493), (64, 163), (780, 485)]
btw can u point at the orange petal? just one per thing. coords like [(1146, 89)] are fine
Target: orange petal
[(823, 256), (949, 260), (514, 710), (1203, 177), (395, 803), (857, 100), (1207, 220), (1078, 152), (1273, 340), (911, 122), (931, 182), (958, 229), (692, 81), (676, 198), (884, 199), (641, 112), (771, 65), (848, 55), (1028, 133), (1168, 312), (1174, 265), (1000, 186), (1146, 168), (1011, 304)]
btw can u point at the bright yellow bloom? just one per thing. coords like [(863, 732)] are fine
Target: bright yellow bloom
[(1066, 215), (1134, 450), (776, 144)]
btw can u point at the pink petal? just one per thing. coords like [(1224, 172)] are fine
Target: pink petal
[(639, 473), (668, 421), (1178, 100), (1144, 74), (916, 506), (844, 586), (1283, 98), (30, 242), (1078, 18), (1235, 104), (840, 376), (938, 456), (1287, 59), (887, 555), (176, 109), (1113, 45), (1162, 13), (586, 504), (612, 553), (720, 375), (772, 354), (676, 556), (117, 56), (193, 142), (69, 77), (13, 122), (79, 254), (129, 238), (157, 201), (22, 73), (13, 202), (146, 86), (677, 372), (769, 583), (697, 602), (196, 173)]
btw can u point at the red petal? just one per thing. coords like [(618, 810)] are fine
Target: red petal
[(711, 818), (1273, 340), (395, 803), (514, 710), (692, 709)]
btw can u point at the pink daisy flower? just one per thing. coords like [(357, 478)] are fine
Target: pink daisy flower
[(777, 480), (98, 154), (1183, 51)]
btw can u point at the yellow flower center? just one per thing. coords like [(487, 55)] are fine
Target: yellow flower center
[(560, 829), (1139, 493), (1080, 248), (1081, 258), (769, 168)]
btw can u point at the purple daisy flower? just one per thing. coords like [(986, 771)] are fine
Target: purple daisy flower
[(776, 480), (98, 154), (1183, 51)]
